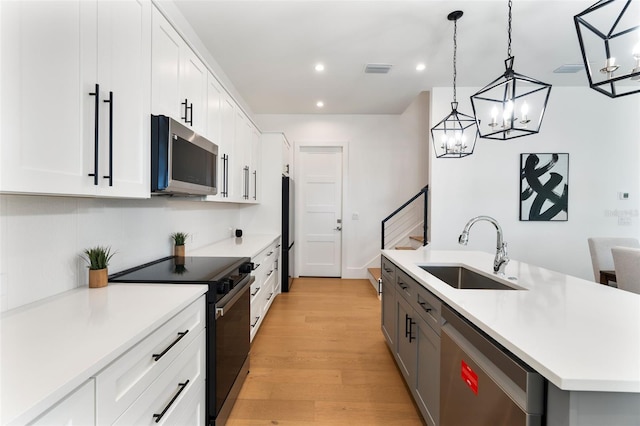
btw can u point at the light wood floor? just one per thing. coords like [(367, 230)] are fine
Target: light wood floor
[(319, 358)]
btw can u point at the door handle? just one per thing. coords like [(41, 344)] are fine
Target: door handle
[(339, 228)]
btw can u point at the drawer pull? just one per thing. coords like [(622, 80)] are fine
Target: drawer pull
[(388, 270), (157, 357), (270, 253), (256, 292), (255, 323), (278, 246), (181, 386), (270, 272), (270, 295), (424, 306), (256, 266)]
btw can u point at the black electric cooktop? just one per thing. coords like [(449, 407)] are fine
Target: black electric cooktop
[(221, 273)]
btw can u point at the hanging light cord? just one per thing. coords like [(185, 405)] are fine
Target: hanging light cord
[(509, 31), (455, 50)]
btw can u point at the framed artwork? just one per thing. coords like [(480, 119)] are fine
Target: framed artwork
[(544, 187)]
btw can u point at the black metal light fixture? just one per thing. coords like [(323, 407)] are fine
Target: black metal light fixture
[(609, 36), (512, 105), (455, 136)]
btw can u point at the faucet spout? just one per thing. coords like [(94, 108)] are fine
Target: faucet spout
[(501, 259)]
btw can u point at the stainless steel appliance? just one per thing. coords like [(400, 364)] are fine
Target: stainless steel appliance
[(287, 233), (182, 162), (481, 383), (228, 316)]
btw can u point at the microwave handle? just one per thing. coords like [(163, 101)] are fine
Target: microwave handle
[(96, 93), (110, 175)]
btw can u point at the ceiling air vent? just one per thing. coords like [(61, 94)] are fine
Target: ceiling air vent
[(377, 68), (569, 69)]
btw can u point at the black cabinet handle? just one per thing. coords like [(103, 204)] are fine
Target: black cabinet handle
[(270, 295), (278, 246), (424, 306), (110, 175), (406, 326), (411, 324), (95, 136), (380, 287), (256, 292), (388, 270), (186, 108), (245, 173), (225, 174), (190, 108), (256, 266), (255, 323), (156, 357), (270, 272), (181, 387), (270, 253)]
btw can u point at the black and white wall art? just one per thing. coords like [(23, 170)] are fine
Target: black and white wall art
[(544, 187)]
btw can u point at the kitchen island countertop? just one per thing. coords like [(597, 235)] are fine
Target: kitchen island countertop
[(580, 335)]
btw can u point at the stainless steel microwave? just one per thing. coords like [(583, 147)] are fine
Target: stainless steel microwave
[(182, 162)]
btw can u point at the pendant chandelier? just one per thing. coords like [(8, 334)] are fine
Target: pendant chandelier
[(609, 37), (455, 136), (512, 105)]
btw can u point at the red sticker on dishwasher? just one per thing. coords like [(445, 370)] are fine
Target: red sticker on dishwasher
[(469, 377)]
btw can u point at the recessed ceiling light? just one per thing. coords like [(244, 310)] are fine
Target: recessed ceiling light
[(319, 104), (319, 67), (421, 67)]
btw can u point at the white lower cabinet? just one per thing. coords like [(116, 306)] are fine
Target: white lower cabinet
[(77, 408), (167, 399), (122, 383), (266, 285)]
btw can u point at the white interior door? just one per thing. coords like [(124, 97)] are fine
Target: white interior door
[(320, 192)]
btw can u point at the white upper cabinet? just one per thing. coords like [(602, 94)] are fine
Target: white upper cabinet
[(179, 77), (56, 127)]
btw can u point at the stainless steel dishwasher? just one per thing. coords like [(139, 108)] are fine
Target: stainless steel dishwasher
[(481, 384)]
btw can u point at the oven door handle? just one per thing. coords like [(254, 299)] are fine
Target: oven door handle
[(221, 310)]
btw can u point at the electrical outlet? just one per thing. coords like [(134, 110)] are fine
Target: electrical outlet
[(624, 221)]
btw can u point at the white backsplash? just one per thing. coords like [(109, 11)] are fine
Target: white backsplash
[(42, 238)]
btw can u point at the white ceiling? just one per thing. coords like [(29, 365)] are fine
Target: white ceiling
[(269, 48)]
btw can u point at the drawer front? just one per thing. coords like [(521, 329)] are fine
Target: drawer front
[(429, 307), (270, 292), (118, 385), (191, 412), (172, 390), (405, 285), (388, 270)]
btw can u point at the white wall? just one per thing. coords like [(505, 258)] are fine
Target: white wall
[(388, 163), (602, 137), (43, 237)]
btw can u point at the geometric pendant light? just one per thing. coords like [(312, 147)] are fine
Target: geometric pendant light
[(455, 135), (609, 37), (512, 105)]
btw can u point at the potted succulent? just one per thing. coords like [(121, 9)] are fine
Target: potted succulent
[(98, 259), (179, 238)]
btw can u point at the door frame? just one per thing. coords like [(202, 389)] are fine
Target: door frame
[(344, 145)]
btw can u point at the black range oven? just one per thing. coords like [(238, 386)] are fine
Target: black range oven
[(228, 319)]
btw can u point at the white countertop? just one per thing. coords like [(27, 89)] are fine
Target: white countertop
[(580, 335), (246, 246), (50, 347)]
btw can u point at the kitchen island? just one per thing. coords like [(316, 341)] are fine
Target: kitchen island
[(581, 336)]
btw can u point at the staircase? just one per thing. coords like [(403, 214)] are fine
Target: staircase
[(406, 227)]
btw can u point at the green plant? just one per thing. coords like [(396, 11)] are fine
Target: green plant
[(98, 257), (179, 238)]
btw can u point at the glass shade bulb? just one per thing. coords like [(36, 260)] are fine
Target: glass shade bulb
[(524, 109), (636, 52), (494, 113)]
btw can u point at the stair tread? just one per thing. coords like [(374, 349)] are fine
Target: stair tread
[(375, 272), (417, 238)]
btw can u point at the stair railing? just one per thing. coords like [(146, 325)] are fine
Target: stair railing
[(400, 221)]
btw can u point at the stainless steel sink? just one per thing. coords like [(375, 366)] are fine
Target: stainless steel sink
[(463, 278)]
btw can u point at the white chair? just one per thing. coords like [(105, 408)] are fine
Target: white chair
[(627, 263), (600, 249)]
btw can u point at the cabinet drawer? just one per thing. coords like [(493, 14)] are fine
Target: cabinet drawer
[(172, 390), (118, 385), (266, 256), (405, 285), (429, 307), (388, 270)]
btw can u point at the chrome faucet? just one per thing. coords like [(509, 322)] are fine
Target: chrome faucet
[(501, 259)]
